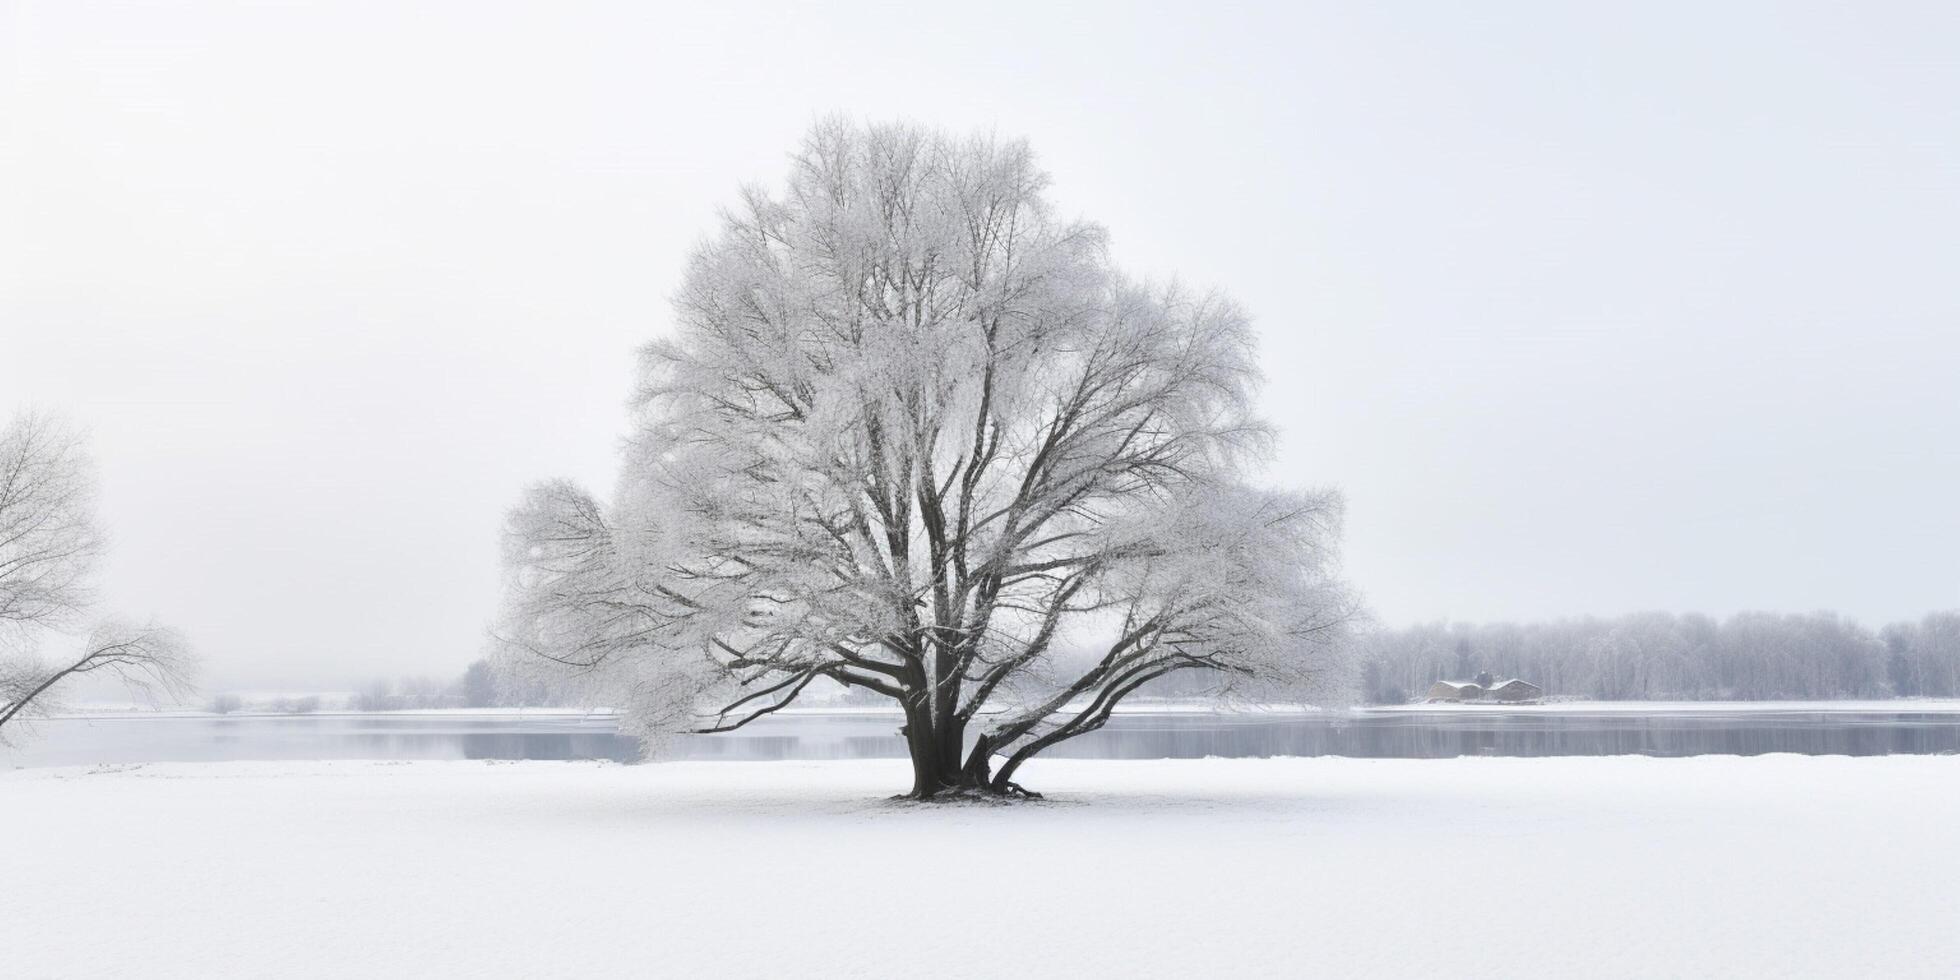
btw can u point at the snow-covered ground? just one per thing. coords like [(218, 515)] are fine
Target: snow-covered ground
[(1625, 866)]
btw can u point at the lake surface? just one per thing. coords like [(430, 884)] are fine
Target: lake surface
[(1380, 734)]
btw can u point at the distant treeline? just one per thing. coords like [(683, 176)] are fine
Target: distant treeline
[(1638, 657), (479, 686), (1663, 656)]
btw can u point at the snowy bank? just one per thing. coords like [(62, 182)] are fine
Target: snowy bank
[(1776, 865)]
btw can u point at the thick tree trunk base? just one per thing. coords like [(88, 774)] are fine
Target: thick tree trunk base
[(985, 794), (938, 775), (973, 783)]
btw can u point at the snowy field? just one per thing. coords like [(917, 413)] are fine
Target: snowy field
[(1624, 866)]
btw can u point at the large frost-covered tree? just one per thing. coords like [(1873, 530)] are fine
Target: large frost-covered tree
[(913, 434), (49, 546)]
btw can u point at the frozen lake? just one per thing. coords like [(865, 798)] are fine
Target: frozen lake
[(1551, 730)]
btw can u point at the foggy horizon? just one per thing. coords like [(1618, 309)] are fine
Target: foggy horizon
[(1584, 315)]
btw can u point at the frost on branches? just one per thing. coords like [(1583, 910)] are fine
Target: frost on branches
[(913, 434), (49, 548)]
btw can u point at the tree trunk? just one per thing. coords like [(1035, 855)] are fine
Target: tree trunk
[(922, 743), (948, 738), (938, 770)]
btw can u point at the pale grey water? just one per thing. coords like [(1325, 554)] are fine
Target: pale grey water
[(1144, 735)]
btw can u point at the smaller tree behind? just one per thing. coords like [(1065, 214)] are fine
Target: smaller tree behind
[(49, 546)]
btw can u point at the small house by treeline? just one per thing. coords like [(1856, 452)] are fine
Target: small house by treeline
[(1511, 690), (1455, 691), (1515, 690)]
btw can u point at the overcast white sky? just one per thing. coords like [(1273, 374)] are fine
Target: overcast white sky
[(1588, 310)]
